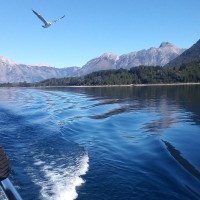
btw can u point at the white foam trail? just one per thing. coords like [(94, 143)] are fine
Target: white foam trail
[(61, 183)]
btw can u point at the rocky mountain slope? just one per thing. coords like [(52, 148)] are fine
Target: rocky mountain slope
[(150, 57), (103, 62), (13, 73), (190, 55)]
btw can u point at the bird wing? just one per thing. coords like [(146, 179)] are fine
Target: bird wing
[(40, 17), (58, 19)]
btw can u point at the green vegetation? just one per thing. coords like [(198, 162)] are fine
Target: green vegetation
[(184, 73)]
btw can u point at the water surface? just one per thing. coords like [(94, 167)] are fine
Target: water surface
[(103, 143)]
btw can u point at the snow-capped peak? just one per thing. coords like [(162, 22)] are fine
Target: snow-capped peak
[(6, 61), (109, 55)]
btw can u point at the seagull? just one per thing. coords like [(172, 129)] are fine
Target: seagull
[(46, 24)]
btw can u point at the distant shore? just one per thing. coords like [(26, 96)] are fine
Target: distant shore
[(95, 86), (163, 84), (130, 85)]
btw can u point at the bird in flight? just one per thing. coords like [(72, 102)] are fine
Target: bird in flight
[(46, 23)]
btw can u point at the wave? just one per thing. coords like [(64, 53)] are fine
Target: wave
[(60, 183), (42, 161), (181, 160)]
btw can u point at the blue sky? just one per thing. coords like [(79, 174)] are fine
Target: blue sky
[(93, 27)]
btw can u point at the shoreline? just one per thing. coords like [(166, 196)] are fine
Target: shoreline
[(130, 85), (95, 86)]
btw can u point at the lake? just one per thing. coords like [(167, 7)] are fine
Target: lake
[(103, 143)]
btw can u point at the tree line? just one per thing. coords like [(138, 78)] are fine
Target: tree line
[(136, 75)]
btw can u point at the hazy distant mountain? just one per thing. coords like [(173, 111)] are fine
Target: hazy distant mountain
[(103, 62), (13, 73), (190, 55), (150, 57)]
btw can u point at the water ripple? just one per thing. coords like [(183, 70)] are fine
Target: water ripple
[(134, 143)]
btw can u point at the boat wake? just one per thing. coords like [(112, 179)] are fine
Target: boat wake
[(60, 182), (57, 169)]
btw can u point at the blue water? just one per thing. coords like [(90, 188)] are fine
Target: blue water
[(103, 143)]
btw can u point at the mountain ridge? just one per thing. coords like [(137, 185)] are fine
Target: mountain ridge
[(12, 72), (190, 55)]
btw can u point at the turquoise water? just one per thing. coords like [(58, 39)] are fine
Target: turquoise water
[(103, 143)]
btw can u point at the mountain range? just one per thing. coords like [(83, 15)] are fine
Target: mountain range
[(14, 73)]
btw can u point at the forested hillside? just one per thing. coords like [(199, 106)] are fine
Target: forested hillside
[(136, 75)]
